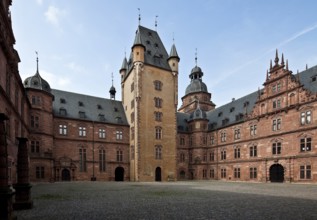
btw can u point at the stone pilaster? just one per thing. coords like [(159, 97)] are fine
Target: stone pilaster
[(6, 193), (23, 186)]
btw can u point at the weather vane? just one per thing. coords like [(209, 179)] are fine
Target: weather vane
[(139, 16), (156, 22)]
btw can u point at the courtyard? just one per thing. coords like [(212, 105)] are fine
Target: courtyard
[(172, 200)]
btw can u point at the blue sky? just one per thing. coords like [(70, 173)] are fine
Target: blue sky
[(80, 43)]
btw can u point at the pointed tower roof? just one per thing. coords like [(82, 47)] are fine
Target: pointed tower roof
[(137, 39), (36, 81), (124, 65), (173, 53)]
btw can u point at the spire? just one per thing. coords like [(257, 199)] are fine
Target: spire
[(137, 40), (270, 64), (124, 65), (306, 66), (286, 64), (156, 22), (276, 58), (267, 75), (282, 62), (37, 62), (196, 57), (173, 53), (112, 90), (139, 16)]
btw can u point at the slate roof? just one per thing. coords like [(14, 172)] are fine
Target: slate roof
[(309, 79), (84, 107), (37, 82), (155, 52), (233, 112)]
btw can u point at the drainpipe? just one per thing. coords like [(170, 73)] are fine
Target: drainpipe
[(93, 178)]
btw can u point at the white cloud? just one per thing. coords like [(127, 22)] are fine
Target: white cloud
[(54, 15)]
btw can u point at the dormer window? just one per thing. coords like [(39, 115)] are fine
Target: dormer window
[(231, 109), (62, 100), (150, 34), (219, 114), (149, 52), (99, 106), (245, 104), (62, 112), (115, 109), (314, 78), (80, 103), (148, 42), (225, 121), (101, 117), (82, 115)]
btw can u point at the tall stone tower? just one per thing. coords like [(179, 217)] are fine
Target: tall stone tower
[(149, 95)]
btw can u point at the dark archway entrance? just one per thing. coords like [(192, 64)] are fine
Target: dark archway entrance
[(182, 174), (65, 175), (158, 174), (277, 173), (119, 174)]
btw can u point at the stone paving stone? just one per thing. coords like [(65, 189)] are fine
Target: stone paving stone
[(172, 200)]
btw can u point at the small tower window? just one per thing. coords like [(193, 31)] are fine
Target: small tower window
[(80, 103)]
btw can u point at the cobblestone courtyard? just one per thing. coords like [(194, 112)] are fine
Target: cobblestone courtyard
[(177, 200)]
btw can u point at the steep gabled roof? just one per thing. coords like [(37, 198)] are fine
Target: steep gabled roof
[(155, 52)]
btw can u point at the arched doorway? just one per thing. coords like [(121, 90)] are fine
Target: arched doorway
[(65, 175), (158, 175), (182, 174), (276, 173), (119, 174)]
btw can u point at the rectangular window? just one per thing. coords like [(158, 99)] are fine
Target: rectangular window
[(158, 152), (82, 131), (158, 102), (223, 137), (119, 156), (132, 103), (253, 130), (212, 173), (305, 117), (237, 134), (182, 141), (35, 146), (204, 174), (34, 121), (253, 172), (102, 160), (212, 156), (223, 154), (276, 124), (182, 157), (212, 139), (223, 173), (158, 116), (237, 173), (82, 160), (132, 87), (305, 144), (119, 135), (102, 133), (305, 172), (276, 148), (63, 129), (40, 172), (237, 153), (158, 133), (253, 151)]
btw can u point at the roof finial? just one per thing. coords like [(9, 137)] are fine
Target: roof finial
[(173, 38), (306, 66), (267, 75), (276, 58), (282, 62), (286, 64), (270, 64), (156, 22), (112, 78), (196, 57), (37, 61), (139, 16)]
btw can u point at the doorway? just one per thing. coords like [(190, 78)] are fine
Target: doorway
[(65, 175), (119, 174), (277, 173), (158, 175)]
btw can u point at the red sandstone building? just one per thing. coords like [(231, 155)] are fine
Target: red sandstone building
[(268, 135)]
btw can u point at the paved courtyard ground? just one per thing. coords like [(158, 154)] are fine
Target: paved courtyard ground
[(172, 200)]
